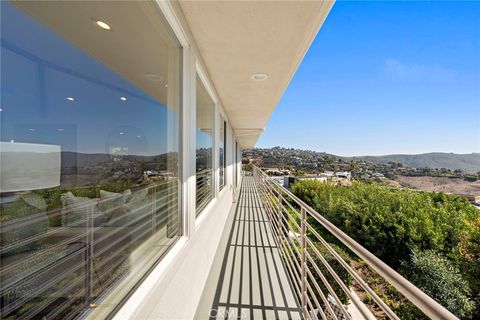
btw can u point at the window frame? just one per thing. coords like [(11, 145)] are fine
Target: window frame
[(200, 75), (223, 181)]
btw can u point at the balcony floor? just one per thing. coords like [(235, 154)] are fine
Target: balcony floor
[(249, 279)]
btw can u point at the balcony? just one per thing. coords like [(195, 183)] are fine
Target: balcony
[(248, 277), (274, 264), (121, 194)]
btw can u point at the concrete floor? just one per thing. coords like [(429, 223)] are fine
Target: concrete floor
[(248, 279)]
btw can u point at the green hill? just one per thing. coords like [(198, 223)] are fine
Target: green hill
[(465, 162)]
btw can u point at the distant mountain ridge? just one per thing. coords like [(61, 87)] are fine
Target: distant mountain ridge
[(466, 162)]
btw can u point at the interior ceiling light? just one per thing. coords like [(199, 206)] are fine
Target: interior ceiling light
[(259, 76), (153, 77), (123, 98), (70, 98), (60, 129), (103, 25)]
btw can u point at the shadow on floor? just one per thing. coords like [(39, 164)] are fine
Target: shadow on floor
[(250, 280)]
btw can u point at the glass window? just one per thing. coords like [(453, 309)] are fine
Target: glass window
[(221, 152), (204, 136), (89, 154)]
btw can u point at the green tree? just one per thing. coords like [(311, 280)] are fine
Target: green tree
[(441, 280)]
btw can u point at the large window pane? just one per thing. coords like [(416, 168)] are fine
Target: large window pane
[(221, 152), (204, 136), (89, 154)]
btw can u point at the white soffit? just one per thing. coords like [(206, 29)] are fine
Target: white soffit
[(237, 39)]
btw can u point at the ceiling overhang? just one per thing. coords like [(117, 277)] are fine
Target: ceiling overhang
[(238, 39)]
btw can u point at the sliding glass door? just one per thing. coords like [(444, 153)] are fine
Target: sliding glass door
[(89, 153)]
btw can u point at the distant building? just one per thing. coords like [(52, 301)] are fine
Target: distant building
[(378, 175), (278, 179), (288, 181), (344, 175), (327, 174)]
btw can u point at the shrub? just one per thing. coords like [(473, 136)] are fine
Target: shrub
[(470, 262), (391, 222), (438, 278)]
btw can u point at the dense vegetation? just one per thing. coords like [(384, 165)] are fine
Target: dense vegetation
[(433, 239), (441, 280)]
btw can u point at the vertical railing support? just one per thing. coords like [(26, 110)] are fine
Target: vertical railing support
[(89, 261), (303, 262), (280, 220)]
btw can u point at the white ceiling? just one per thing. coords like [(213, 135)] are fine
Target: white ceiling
[(239, 38), (139, 43)]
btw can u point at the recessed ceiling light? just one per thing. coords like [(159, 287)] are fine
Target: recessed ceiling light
[(153, 77), (259, 76), (1, 109), (70, 98), (123, 98), (166, 86), (121, 133), (61, 129), (139, 136), (12, 141), (103, 25), (31, 129)]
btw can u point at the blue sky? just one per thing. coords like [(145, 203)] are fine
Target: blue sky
[(386, 77)]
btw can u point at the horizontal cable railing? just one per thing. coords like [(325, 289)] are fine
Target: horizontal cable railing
[(204, 192), (52, 271), (321, 288)]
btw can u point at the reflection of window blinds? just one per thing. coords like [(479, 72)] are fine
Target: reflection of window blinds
[(204, 189), (28, 166)]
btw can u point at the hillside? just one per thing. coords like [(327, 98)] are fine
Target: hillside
[(465, 162)]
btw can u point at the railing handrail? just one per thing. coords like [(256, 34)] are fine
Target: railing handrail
[(420, 299)]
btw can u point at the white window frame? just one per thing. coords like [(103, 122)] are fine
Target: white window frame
[(200, 73), (191, 67)]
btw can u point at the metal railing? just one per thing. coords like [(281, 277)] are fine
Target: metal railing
[(204, 191), (313, 264), (59, 272)]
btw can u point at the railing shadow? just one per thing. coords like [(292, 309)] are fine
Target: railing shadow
[(253, 281)]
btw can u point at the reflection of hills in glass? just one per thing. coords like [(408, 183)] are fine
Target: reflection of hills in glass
[(82, 169), (204, 158)]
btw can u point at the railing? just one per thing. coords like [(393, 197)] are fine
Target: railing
[(58, 272), (204, 189), (310, 260)]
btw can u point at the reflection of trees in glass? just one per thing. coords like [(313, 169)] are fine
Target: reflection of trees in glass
[(204, 159)]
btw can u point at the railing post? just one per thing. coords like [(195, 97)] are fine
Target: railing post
[(279, 219), (303, 262), (89, 263)]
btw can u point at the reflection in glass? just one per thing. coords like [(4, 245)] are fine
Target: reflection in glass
[(204, 137), (89, 190), (221, 152)]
